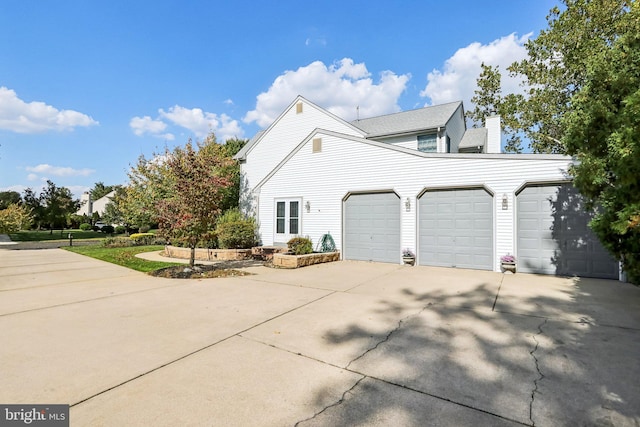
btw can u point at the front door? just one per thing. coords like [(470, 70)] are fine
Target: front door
[(287, 219)]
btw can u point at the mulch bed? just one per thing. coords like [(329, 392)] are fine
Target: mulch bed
[(200, 271)]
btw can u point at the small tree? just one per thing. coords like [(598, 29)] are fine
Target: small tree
[(15, 218), (198, 189)]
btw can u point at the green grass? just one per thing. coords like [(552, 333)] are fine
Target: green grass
[(123, 256), (46, 235)]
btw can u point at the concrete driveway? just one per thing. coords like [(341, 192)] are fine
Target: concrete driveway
[(340, 344)]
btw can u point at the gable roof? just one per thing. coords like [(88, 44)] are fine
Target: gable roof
[(408, 121), (474, 137), (242, 154)]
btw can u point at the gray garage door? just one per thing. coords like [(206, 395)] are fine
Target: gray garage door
[(554, 237), (372, 227), (456, 229)]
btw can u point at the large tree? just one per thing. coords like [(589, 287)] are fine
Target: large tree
[(100, 190), (58, 204), (198, 185), (31, 199), (9, 198), (488, 101), (555, 69), (581, 79), (602, 129)]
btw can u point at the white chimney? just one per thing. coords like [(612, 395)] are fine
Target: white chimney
[(494, 134)]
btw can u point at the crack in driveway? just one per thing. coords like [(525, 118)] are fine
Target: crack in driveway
[(339, 402), (540, 374), (385, 339)]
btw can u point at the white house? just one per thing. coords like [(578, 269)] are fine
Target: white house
[(88, 206), (418, 180)]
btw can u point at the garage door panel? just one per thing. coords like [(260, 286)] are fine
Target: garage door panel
[(456, 229), (372, 227), (553, 236)]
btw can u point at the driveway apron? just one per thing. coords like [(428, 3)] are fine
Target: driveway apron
[(344, 343)]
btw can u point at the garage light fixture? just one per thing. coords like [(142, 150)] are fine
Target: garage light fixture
[(505, 202), (307, 206), (407, 205)]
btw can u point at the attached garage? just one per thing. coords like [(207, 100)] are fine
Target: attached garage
[(455, 228), (553, 236), (372, 227)]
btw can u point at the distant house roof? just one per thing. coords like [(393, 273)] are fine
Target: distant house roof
[(473, 138), (408, 121)]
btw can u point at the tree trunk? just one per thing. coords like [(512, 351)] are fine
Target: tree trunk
[(192, 257)]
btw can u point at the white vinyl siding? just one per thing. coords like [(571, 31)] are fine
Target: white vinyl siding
[(290, 129), (345, 166), (455, 129)]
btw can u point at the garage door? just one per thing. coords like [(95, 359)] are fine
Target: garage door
[(456, 228), (554, 237), (372, 227)]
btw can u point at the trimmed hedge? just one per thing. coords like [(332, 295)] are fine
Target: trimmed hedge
[(85, 227), (143, 239)]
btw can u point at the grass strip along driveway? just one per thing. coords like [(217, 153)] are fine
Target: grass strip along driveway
[(125, 257)]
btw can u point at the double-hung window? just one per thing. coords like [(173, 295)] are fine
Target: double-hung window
[(428, 143)]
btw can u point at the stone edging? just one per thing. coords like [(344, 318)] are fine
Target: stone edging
[(208, 254), (296, 261)]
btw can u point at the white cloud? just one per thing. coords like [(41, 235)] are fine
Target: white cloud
[(19, 116), (146, 125), (201, 122), (457, 81), (340, 88), (228, 101), (32, 177), (56, 171)]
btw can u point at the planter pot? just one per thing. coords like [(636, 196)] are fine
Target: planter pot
[(508, 266), (409, 260)]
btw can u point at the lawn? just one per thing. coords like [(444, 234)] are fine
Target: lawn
[(123, 256), (46, 235)]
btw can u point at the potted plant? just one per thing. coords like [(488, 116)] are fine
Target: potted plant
[(508, 263), (408, 257)]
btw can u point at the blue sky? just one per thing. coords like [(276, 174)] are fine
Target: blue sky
[(87, 87)]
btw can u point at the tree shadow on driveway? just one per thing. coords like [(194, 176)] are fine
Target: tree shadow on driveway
[(469, 364)]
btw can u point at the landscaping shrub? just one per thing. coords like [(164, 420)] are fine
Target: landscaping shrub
[(143, 239), (236, 231), (120, 229), (237, 235), (117, 242), (144, 229), (85, 227), (300, 245), (107, 229), (231, 215)]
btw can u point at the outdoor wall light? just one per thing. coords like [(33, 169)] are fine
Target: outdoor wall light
[(307, 206), (407, 204), (505, 202)]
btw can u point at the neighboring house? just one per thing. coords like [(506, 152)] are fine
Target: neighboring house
[(418, 180), (88, 206)]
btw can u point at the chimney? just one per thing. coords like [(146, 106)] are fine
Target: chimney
[(494, 134)]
